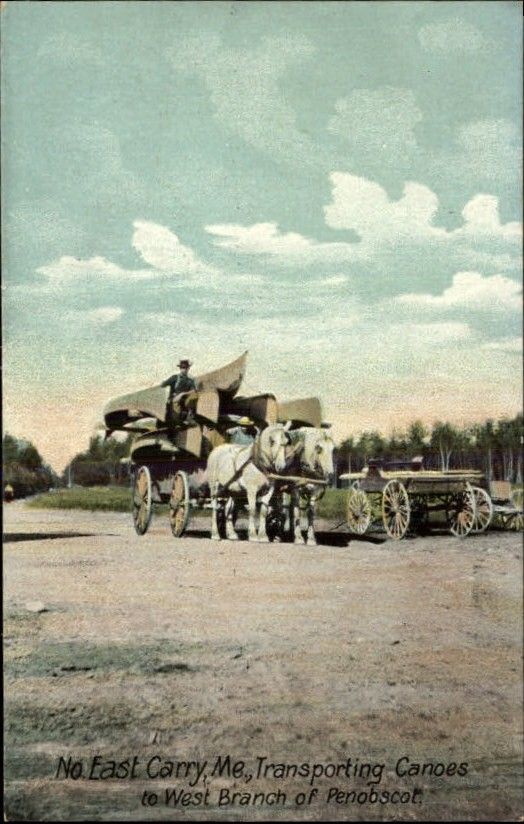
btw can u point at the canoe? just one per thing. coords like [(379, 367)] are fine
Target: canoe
[(152, 402)]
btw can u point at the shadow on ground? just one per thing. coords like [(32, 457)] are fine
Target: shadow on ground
[(12, 537)]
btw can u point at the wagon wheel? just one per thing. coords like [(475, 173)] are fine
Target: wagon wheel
[(483, 510), (179, 505), (358, 510), (461, 514), (396, 510), (517, 521), (142, 500)]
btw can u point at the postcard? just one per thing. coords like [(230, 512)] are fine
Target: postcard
[(262, 403)]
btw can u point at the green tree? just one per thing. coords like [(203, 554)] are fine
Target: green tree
[(416, 439), (10, 447), (445, 438), (346, 450), (30, 457), (509, 437)]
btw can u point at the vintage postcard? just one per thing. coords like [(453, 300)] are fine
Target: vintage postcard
[(262, 402)]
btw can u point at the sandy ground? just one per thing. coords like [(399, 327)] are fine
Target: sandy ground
[(189, 649)]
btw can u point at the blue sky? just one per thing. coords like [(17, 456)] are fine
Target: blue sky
[(335, 186)]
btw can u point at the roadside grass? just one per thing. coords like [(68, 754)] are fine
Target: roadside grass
[(94, 498), (118, 499), (332, 506)]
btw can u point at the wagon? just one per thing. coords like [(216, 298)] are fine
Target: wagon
[(166, 482), (175, 438), (405, 496), (508, 509), (172, 443)]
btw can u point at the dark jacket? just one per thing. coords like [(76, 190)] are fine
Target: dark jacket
[(179, 383)]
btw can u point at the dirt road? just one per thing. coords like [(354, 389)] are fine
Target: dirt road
[(169, 651)]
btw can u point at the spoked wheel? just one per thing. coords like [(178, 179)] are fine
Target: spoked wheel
[(396, 510), (483, 510), (462, 512), (358, 511), (142, 500), (179, 504), (517, 521)]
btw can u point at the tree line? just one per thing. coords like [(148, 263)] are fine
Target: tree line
[(24, 469), (100, 464), (495, 447)]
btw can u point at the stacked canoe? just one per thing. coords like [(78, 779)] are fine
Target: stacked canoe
[(199, 420)]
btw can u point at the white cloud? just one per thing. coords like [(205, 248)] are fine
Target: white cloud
[(454, 35), (168, 258), (103, 315), (267, 239), (482, 219), (377, 120), (505, 345), (246, 90), (381, 225), (363, 205), (333, 280), (162, 249), (485, 153), (489, 149), (472, 291), (423, 334), (67, 269)]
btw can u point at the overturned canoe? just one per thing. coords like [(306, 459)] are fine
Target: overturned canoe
[(302, 412), (152, 402), (225, 380), (126, 409)]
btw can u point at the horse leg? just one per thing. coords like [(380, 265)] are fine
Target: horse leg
[(262, 530), (231, 533), (252, 509), (215, 535), (286, 506), (311, 539), (296, 519)]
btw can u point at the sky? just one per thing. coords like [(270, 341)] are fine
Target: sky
[(334, 186)]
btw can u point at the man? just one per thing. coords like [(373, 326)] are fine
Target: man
[(178, 385), (244, 433), (180, 382)]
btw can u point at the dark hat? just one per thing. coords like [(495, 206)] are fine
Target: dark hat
[(184, 364)]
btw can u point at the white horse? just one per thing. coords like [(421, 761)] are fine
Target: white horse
[(234, 469), (312, 457)]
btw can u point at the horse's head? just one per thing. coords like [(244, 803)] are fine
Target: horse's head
[(318, 452), (272, 446)]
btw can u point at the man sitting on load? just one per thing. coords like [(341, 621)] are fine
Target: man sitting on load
[(179, 384)]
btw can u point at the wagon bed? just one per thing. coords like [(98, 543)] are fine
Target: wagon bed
[(409, 496)]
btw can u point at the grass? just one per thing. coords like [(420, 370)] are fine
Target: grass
[(332, 506), (94, 498), (118, 499)]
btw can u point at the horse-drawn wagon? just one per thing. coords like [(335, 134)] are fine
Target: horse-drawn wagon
[(181, 455), (407, 497)]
